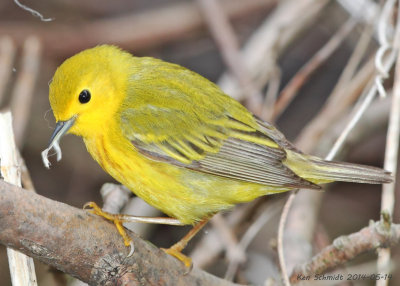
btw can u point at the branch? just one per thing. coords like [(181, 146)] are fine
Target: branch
[(228, 44), (301, 77), (270, 40), (346, 248), (85, 245)]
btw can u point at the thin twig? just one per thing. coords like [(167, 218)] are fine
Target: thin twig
[(137, 206), (391, 153), (374, 120), (347, 247), (336, 104), (211, 245), (270, 40), (385, 30), (281, 229), (22, 269), (355, 58), (233, 250), (385, 68), (21, 100), (292, 88), (7, 52), (33, 12), (267, 214), (358, 112), (272, 94), (138, 30), (361, 9), (227, 42)]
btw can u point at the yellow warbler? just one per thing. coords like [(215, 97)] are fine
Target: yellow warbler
[(177, 141)]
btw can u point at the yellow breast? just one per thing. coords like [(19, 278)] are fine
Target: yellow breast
[(180, 193)]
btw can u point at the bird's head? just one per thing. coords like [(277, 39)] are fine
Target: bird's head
[(87, 88), (86, 91)]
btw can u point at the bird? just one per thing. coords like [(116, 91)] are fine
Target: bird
[(177, 141)]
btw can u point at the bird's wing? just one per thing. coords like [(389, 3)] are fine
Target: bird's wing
[(214, 135)]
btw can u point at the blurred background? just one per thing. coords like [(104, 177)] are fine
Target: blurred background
[(282, 59)]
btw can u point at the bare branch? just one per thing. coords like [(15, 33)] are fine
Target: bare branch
[(226, 39), (85, 245), (391, 154), (292, 88), (271, 39), (22, 269), (347, 247)]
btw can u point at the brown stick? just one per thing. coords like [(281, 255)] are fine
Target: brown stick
[(346, 248), (85, 245), (292, 88), (228, 44), (271, 39)]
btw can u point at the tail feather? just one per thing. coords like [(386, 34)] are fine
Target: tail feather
[(320, 171), (347, 172)]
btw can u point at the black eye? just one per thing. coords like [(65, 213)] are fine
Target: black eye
[(84, 96)]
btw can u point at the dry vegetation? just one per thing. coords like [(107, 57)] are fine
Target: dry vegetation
[(324, 72)]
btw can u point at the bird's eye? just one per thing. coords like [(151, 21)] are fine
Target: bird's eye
[(84, 96)]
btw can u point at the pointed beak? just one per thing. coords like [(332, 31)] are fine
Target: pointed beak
[(62, 128)]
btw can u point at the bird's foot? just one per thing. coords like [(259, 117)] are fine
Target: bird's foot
[(173, 251), (116, 219)]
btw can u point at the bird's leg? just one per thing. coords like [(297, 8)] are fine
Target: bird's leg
[(118, 219), (175, 250)]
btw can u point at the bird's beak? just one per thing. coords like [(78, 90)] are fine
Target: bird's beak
[(62, 127)]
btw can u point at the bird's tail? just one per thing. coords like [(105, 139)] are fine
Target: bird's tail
[(320, 171)]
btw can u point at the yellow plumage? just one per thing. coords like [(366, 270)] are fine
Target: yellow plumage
[(176, 140)]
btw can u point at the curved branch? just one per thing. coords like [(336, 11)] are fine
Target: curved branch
[(345, 248), (86, 246)]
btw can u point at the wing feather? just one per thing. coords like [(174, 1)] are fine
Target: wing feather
[(189, 122)]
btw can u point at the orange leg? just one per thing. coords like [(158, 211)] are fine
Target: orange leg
[(118, 219), (175, 250)]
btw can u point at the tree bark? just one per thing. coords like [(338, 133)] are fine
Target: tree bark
[(85, 245)]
